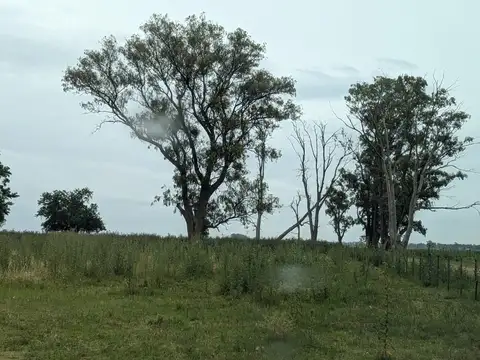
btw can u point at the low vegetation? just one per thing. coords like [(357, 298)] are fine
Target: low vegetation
[(207, 105), (70, 296)]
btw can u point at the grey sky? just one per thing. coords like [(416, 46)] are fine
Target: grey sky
[(326, 46)]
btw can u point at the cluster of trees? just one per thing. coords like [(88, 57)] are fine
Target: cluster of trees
[(207, 106), (61, 210), (408, 143)]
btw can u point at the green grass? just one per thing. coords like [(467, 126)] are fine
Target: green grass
[(68, 296)]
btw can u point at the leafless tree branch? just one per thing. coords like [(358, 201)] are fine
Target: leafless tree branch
[(329, 153)]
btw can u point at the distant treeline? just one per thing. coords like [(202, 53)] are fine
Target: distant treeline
[(437, 246)]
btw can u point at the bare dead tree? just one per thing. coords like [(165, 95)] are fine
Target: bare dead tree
[(328, 153), (295, 206)]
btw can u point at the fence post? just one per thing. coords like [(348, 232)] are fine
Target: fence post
[(413, 266), (461, 276), (430, 270), (476, 290), (438, 271), (476, 278), (420, 270), (399, 271), (448, 273)]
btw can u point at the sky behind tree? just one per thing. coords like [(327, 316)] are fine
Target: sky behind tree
[(47, 140)]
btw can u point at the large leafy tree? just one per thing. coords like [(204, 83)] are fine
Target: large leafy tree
[(69, 211), (6, 194), (195, 93), (408, 145)]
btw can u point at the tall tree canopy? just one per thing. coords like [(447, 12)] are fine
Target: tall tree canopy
[(194, 92), (408, 144), (69, 211), (6, 194)]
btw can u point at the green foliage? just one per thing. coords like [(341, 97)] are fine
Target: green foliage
[(202, 95), (198, 264), (6, 194), (244, 274), (206, 105), (69, 211), (404, 126), (337, 204)]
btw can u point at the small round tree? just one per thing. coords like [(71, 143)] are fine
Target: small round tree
[(6, 194), (69, 211)]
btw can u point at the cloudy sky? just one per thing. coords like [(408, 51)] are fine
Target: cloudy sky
[(326, 45)]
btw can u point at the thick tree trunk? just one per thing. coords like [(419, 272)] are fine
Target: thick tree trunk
[(417, 188), (195, 221), (190, 228), (199, 225), (187, 215)]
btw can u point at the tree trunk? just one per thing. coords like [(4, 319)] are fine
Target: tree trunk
[(190, 228), (316, 219), (392, 208), (340, 239), (375, 238), (417, 188), (299, 221), (187, 215), (258, 226), (368, 227), (411, 218), (261, 194), (199, 217)]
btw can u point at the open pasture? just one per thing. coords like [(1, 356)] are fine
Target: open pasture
[(67, 296)]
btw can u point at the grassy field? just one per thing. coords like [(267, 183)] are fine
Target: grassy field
[(66, 296)]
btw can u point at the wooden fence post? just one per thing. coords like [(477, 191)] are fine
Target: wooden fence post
[(476, 279), (437, 277), (461, 276), (448, 273)]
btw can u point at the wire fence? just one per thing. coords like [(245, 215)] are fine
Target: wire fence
[(456, 272)]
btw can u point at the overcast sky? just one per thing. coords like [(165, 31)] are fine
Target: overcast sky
[(325, 45)]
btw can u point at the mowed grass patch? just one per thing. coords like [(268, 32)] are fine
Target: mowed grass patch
[(184, 301), (183, 322)]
